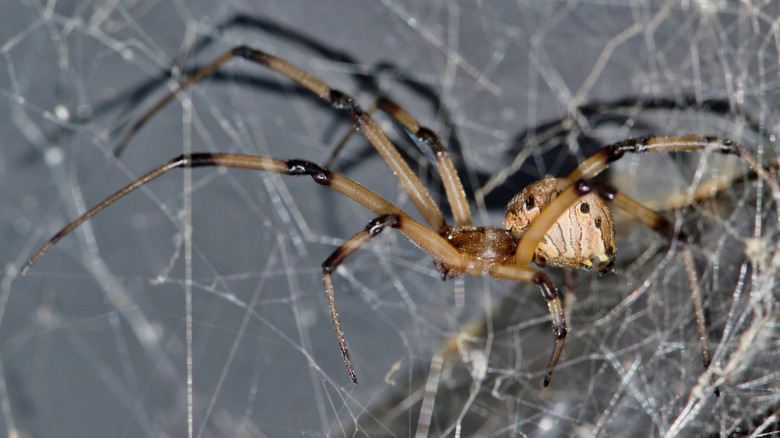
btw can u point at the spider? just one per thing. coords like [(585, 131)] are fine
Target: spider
[(559, 222)]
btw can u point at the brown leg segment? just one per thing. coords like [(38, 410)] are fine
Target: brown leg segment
[(662, 226), (200, 74), (422, 135), (531, 275), (340, 145), (329, 266)]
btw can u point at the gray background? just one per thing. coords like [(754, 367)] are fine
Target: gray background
[(93, 340)]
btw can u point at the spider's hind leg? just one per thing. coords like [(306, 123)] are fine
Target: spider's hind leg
[(661, 225), (599, 161), (544, 221)]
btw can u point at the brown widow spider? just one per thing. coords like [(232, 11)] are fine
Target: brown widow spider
[(562, 222)]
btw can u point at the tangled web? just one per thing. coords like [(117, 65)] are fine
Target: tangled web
[(96, 339)]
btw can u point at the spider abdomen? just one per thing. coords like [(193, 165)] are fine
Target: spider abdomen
[(583, 237)]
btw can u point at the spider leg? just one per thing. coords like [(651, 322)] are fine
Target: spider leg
[(198, 75), (662, 226), (373, 229), (550, 294), (339, 100), (420, 235), (423, 137), (391, 215), (569, 279), (602, 159)]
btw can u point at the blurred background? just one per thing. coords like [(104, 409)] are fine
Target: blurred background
[(94, 342)]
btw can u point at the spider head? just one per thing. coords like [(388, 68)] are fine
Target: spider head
[(583, 237)]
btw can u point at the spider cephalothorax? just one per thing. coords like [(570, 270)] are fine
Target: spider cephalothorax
[(491, 244)]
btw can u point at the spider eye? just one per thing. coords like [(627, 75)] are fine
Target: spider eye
[(530, 202), (597, 222), (585, 208)]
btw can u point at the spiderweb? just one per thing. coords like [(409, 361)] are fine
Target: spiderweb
[(94, 340)]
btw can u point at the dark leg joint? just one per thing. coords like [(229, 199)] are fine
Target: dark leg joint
[(548, 289), (387, 104), (329, 266), (582, 187), (604, 191), (377, 225), (301, 167), (204, 159), (444, 271), (681, 242), (183, 160), (725, 145), (343, 101), (666, 229), (251, 54), (634, 145), (431, 139)]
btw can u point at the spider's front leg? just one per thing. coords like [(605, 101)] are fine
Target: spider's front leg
[(373, 229)]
